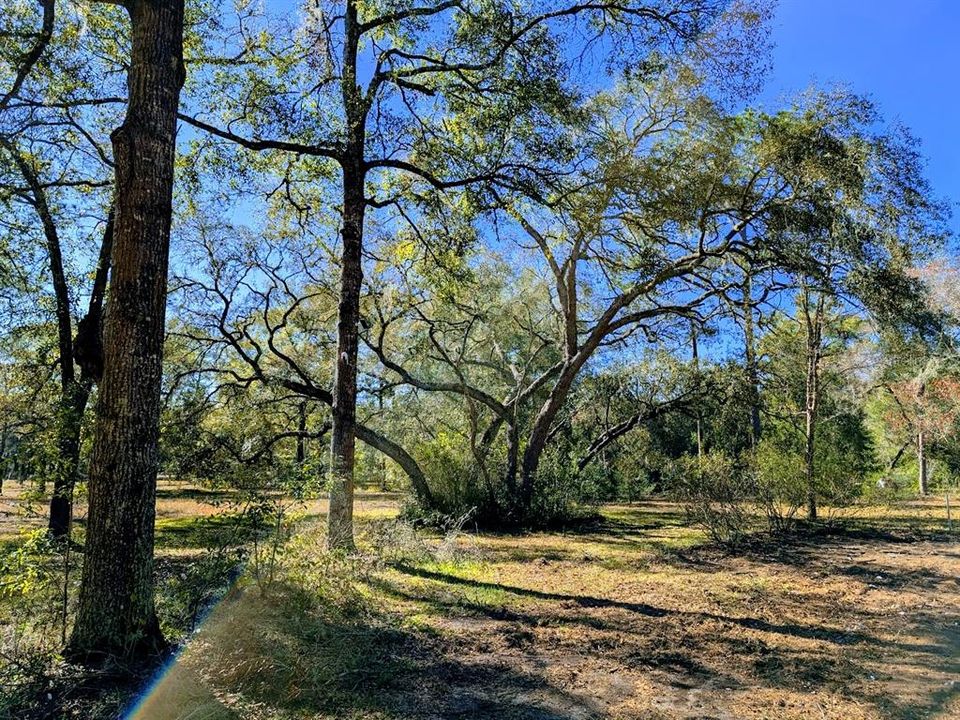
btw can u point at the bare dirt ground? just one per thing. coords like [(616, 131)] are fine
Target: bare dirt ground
[(634, 618)]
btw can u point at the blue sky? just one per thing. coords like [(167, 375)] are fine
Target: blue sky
[(904, 55)]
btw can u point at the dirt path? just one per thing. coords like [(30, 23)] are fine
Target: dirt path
[(624, 622)]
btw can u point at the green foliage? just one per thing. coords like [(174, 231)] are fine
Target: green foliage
[(564, 496), (781, 487), (39, 578), (716, 491), (36, 575), (188, 590)]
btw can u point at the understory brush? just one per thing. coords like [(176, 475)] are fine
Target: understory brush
[(716, 491), (563, 496), (38, 581)]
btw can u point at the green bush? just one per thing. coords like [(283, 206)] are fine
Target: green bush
[(716, 491), (780, 484)]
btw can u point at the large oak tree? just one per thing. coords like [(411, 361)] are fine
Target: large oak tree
[(116, 605), (412, 99)]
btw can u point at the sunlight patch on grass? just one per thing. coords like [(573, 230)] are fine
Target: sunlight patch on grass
[(202, 532)]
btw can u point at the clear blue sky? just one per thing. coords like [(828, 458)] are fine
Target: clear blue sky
[(904, 54)]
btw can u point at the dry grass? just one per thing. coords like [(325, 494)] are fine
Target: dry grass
[(634, 618), (178, 503)]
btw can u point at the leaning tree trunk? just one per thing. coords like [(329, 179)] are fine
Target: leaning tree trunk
[(539, 434), (116, 606)]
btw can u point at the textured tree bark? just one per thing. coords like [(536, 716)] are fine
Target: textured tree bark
[(116, 614), (353, 165), (343, 440)]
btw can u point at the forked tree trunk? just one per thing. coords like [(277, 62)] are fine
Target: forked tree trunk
[(116, 614), (814, 338), (87, 350)]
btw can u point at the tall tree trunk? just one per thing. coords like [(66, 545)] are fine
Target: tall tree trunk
[(750, 352), (343, 437), (695, 351), (116, 606), (922, 462), (537, 440), (343, 441), (814, 335), (302, 430)]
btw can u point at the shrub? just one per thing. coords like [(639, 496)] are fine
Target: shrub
[(780, 484), (38, 583), (716, 491)]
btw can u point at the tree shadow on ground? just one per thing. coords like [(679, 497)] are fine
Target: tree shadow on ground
[(843, 659), (280, 651), (211, 531), (201, 494), (796, 630), (832, 554)]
